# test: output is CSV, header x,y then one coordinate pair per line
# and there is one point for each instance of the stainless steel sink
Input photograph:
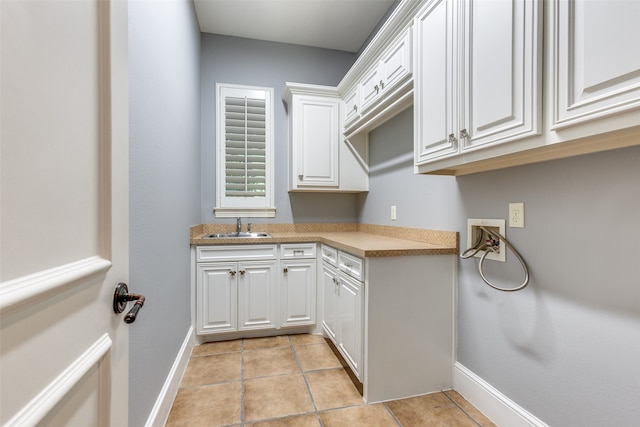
x,y
234,235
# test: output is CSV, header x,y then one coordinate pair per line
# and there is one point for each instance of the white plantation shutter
x,y
244,147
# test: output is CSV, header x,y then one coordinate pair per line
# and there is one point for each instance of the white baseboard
x,y
492,403
160,412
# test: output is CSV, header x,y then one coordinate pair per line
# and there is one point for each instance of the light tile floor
x,y
296,381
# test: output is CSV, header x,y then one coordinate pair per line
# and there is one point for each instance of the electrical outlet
x,y
394,215
516,215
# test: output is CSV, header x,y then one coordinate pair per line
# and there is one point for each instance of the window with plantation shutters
x,y
244,151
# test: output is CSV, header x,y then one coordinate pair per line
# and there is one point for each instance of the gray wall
x,y
566,348
258,63
164,52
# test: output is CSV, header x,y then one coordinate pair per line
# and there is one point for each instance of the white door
x,y
329,297
298,292
395,65
316,129
370,88
596,60
257,295
64,213
217,297
435,85
349,335
501,87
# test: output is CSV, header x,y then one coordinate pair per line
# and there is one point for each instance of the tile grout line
x,y
463,411
391,413
304,377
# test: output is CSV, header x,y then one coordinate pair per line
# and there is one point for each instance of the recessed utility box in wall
x,y
475,234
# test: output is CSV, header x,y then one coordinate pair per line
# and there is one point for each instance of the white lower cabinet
x,y
254,287
342,311
392,320
349,309
236,288
236,296
298,284
329,300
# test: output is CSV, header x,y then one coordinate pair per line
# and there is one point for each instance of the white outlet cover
x,y
500,224
516,215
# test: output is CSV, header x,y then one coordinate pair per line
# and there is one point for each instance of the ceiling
x,y
331,24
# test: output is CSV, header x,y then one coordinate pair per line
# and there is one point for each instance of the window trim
x,y
258,207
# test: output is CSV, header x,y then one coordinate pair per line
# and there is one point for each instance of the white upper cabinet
x,y
319,160
393,67
314,127
316,131
396,63
477,79
351,103
596,59
501,71
382,89
435,83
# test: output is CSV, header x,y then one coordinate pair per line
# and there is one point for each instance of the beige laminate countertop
x,y
370,242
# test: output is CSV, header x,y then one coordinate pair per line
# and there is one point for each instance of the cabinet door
x,y
434,83
329,300
395,65
370,88
257,295
315,139
351,102
298,292
216,297
596,59
501,88
350,332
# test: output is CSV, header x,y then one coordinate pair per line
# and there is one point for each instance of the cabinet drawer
x,y
235,252
351,265
297,250
330,255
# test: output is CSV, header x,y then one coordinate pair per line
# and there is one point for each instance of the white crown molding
x,y
401,18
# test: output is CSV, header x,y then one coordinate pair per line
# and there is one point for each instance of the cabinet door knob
x,y
300,177
233,273
285,270
242,272
377,88
381,84
464,133
355,107
452,138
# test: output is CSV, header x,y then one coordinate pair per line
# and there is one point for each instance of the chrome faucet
x,y
238,224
